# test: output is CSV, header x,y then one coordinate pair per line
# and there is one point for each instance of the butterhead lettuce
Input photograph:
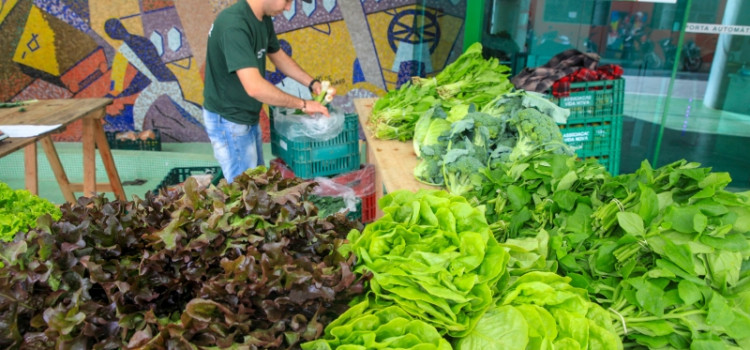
x,y
434,256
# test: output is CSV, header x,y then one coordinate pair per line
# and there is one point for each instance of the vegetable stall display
x,y
530,247
19,210
438,270
433,255
664,250
457,150
470,79
541,310
248,264
367,326
552,252
667,251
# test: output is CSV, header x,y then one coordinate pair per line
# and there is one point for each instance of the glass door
x,y
686,68
707,119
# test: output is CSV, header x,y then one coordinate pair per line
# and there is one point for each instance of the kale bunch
x,y
456,149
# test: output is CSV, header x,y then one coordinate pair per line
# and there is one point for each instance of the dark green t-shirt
x,y
237,39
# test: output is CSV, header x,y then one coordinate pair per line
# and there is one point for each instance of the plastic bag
x,y
317,127
327,188
362,181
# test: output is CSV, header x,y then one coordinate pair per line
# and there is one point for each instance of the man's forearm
x,y
290,68
262,90
271,95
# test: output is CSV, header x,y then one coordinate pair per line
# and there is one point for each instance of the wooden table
x,y
64,112
394,160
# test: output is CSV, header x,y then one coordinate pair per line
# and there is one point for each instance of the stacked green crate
x,y
594,127
309,158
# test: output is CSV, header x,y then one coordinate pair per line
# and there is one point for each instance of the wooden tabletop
x,y
393,159
45,112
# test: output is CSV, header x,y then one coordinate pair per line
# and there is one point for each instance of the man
x,y
235,90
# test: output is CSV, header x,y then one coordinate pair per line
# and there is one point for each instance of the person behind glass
x,y
235,90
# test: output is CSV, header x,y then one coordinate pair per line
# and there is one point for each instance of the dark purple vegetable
x,y
248,263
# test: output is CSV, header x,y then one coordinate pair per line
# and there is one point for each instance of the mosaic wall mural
x,y
148,55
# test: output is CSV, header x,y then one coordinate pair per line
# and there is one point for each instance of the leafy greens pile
x,y
469,80
457,150
541,310
437,270
433,255
248,264
668,251
665,250
541,192
366,326
19,210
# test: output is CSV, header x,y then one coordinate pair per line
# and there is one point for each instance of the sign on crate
x,y
586,100
580,136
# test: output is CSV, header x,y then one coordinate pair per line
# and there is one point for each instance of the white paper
x,y
27,130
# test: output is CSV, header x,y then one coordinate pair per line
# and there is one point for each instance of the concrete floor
x,y
644,100
692,131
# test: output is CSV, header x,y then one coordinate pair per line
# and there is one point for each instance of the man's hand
x,y
323,94
316,107
316,88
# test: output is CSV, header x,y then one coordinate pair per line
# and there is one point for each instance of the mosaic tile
x,y
6,9
298,18
163,114
155,5
165,22
62,11
371,6
156,80
196,17
44,88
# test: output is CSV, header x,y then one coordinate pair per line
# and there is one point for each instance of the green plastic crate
x,y
600,139
594,127
593,99
614,168
177,176
590,139
309,158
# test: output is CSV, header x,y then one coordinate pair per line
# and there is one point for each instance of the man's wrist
x,y
304,105
310,86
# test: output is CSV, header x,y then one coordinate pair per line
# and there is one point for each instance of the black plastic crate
x,y
176,176
138,144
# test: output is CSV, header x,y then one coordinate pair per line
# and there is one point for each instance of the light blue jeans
x,y
237,147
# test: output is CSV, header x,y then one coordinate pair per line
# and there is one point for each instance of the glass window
x,y
569,11
685,89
